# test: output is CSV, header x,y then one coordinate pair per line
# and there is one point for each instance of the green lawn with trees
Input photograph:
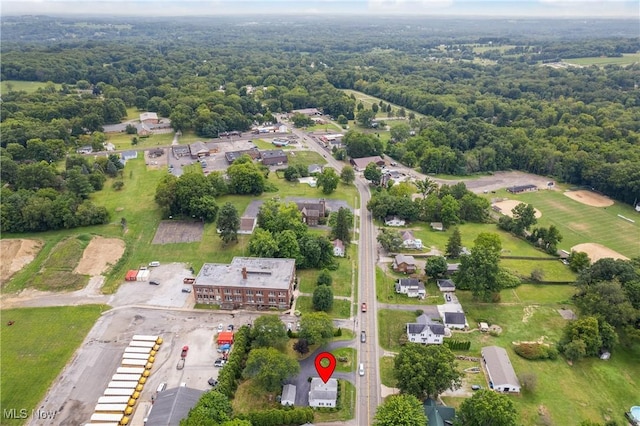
x,y
36,347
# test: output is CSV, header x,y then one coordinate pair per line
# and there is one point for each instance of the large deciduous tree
x,y
416,366
479,271
228,223
347,175
373,173
328,180
268,331
436,266
316,327
270,367
454,244
400,410
213,408
322,299
524,215
341,224
487,407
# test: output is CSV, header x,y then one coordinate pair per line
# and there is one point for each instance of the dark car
x,y
212,382
186,290
230,327
154,283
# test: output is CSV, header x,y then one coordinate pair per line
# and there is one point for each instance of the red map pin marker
x,y
325,365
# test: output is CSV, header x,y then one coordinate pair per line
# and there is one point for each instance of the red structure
x,y
131,275
225,338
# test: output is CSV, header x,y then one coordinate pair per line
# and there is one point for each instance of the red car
x,y
363,307
185,349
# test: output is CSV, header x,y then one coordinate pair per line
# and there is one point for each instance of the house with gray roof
x,y
288,395
323,394
425,331
314,169
446,285
502,376
455,320
412,287
173,405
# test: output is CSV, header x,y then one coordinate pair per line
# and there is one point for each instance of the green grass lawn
x,y
579,223
626,59
57,271
327,127
386,293
341,308
342,277
552,270
346,406
305,158
387,375
36,348
23,86
123,140
392,324
251,397
345,353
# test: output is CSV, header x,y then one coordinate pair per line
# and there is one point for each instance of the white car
x,y
220,327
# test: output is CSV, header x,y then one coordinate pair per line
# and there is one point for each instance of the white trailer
x,y
112,408
142,344
137,350
130,370
103,424
122,399
146,337
126,377
123,385
143,275
136,356
106,417
119,392
136,363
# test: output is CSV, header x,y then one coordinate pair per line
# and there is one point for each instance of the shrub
x,y
532,351
457,345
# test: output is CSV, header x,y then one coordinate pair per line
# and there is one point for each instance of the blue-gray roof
x,y
173,405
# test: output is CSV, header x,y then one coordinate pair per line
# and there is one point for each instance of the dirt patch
x,y
15,254
156,159
99,255
507,205
598,251
567,314
589,198
581,227
178,231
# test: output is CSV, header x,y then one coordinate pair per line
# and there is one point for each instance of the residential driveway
x,y
308,369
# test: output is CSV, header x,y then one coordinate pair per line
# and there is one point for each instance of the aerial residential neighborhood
x,y
373,214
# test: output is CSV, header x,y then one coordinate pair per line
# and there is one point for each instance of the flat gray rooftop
x,y
261,273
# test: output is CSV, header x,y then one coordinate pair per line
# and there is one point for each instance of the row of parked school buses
x,y
118,402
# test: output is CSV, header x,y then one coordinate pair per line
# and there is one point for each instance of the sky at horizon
x,y
480,8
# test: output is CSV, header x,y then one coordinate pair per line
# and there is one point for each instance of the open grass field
x,y
341,308
22,86
387,376
305,158
29,364
251,397
342,283
122,141
57,271
591,389
579,223
392,324
368,100
552,270
626,59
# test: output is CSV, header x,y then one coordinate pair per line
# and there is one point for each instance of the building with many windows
x,y
247,282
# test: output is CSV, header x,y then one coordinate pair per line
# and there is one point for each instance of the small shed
x,y
225,338
288,395
437,226
484,327
143,275
131,275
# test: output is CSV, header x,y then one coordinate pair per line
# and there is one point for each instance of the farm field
x,y
23,86
29,362
579,223
626,59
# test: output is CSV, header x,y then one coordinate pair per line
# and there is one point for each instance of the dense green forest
x,y
486,98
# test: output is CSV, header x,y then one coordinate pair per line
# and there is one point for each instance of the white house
x,y
455,320
288,395
411,287
502,376
338,248
394,221
409,241
425,331
323,394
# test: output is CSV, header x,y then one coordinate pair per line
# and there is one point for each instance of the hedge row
x,y
232,370
532,350
279,417
457,345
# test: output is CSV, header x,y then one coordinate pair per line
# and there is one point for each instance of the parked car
x,y
476,387
186,290
154,263
212,382
363,307
219,362
154,283
230,327
220,327
185,349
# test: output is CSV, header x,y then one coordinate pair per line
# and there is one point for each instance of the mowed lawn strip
x,y
392,324
341,308
35,349
552,270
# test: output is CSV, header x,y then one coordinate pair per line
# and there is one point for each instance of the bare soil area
x,y
15,254
589,198
507,205
178,231
598,251
99,255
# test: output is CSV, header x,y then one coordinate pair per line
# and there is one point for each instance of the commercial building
x,y
247,282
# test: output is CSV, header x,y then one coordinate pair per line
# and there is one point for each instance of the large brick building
x,y
248,282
